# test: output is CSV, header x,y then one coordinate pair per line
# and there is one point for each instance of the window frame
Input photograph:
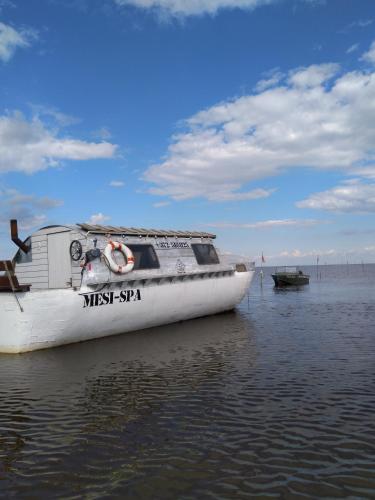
x,y
198,257
143,245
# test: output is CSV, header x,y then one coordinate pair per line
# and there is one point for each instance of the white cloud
x,y
353,48
266,224
29,220
367,171
117,184
311,253
26,208
313,76
14,198
6,4
61,119
180,8
346,255
225,195
28,146
360,24
98,219
315,2
11,40
193,7
161,204
369,56
318,117
271,80
351,196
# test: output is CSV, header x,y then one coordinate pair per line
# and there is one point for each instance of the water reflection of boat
x,y
290,276
192,345
72,283
110,395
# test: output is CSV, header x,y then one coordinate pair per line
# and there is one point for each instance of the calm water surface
x,y
275,400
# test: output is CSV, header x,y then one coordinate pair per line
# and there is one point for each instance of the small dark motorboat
x,y
290,276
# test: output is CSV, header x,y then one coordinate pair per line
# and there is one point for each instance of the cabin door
x,y
59,266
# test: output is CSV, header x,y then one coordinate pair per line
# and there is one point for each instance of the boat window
x,y
205,254
144,257
22,257
287,269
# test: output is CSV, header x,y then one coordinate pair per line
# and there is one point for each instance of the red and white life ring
x,y
112,264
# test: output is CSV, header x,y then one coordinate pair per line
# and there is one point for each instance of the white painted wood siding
x,y
59,262
35,273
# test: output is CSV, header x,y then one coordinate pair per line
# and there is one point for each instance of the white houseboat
x,y
74,283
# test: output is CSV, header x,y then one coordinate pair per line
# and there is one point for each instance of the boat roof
x,y
288,269
133,231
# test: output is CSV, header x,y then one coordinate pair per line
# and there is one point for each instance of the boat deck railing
x,y
144,281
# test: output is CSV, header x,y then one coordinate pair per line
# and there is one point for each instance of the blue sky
x,y
252,119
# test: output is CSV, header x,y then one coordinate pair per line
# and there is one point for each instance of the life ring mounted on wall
x,y
112,264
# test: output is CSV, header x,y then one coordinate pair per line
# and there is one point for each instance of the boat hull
x,y
281,281
55,317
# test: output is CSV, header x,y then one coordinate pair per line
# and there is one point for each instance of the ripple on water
x,y
273,401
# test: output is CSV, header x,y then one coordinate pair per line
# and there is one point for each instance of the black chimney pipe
x,y
15,238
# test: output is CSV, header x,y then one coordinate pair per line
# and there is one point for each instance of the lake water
x,y
275,400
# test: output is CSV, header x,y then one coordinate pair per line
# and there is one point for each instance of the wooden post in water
x,y
261,270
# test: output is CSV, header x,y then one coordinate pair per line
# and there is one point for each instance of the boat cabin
x,y
288,270
73,256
